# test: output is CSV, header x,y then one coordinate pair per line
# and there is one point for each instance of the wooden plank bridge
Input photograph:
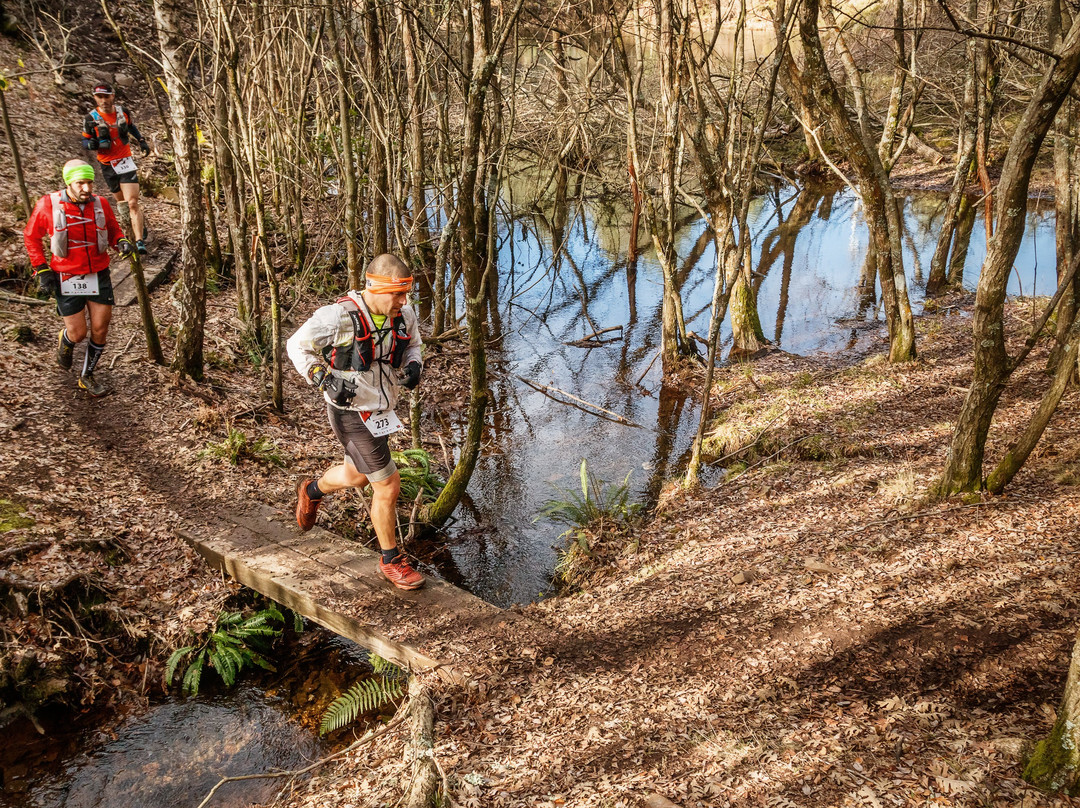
x,y
336,583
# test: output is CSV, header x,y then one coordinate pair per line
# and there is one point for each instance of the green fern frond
x,y
298,622
224,665
229,618
362,697
174,661
193,675
381,665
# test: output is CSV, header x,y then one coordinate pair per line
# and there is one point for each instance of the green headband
x,y
78,172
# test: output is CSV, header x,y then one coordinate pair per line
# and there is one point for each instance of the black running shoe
x,y
95,388
64,352
140,245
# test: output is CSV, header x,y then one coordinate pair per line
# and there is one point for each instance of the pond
x,y
809,247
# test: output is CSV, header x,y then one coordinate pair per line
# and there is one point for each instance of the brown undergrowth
x,y
809,631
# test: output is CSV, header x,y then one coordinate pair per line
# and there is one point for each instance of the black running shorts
x,y
369,455
114,180
67,305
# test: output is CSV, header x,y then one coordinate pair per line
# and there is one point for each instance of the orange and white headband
x,y
385,285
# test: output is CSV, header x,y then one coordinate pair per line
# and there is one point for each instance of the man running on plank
x,y
358,352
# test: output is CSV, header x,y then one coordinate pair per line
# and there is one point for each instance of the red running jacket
x,y
83,256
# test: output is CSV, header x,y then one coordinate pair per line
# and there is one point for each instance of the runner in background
x,y
80,228
107,129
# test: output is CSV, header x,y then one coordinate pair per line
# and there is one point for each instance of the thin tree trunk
x,y
16,161
992,367
1018,453
191,290
965,151
348,167
882,214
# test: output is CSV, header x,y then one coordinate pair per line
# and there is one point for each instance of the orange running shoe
x,y
401,573
306,507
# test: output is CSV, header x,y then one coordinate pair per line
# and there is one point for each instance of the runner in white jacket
x,y
358,352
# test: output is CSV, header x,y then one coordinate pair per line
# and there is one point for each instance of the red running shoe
x,y
401,574
306,507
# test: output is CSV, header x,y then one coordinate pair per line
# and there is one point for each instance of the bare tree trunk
x,y
417,160
882,214
379,185
483,60
191,290
1021,449
962,242
1067,209
965,151
963,467
348,167
16,161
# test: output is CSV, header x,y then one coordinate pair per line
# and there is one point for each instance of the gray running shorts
x,y
369,455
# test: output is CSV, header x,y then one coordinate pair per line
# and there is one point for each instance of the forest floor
x,y
809,631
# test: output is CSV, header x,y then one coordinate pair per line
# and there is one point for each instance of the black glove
x,y
123,246
318,376
48,281
145,147
412,376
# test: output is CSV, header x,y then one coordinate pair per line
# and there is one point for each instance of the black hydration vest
x,y
359,354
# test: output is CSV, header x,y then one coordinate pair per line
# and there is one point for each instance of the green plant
x,y
414,466
237,447
600,520
386,686
598,502
235,643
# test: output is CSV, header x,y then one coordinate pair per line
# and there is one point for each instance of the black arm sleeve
x,y
133,130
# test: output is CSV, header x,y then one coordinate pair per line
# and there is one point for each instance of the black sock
x,y
313,490
389,556
64,337
93,354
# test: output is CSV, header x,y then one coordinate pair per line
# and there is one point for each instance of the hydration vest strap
x,y
58,242
121,122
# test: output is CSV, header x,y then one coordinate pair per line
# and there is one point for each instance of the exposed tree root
x,y
420,753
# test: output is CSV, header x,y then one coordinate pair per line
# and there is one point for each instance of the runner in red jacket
x,y
80,228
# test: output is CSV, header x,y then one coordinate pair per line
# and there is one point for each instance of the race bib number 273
x,y
383,422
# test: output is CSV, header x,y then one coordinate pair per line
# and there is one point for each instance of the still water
x,y
809,251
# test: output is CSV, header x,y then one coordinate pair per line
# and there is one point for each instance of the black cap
x,y
103,88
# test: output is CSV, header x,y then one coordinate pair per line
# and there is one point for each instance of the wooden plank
x,y
289,592
155,271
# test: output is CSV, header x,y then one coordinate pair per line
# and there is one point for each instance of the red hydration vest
x,y
359,354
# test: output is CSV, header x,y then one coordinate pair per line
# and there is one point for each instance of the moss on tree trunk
x,y
1054,764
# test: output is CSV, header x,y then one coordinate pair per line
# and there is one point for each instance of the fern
x,y
414,467
362,697
235,643
382,665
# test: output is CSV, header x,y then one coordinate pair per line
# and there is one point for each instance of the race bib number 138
x,y
80,285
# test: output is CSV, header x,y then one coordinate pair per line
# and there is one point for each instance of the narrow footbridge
x,y
336,583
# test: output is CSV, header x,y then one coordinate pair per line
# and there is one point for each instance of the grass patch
x,y
11,517
237,447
